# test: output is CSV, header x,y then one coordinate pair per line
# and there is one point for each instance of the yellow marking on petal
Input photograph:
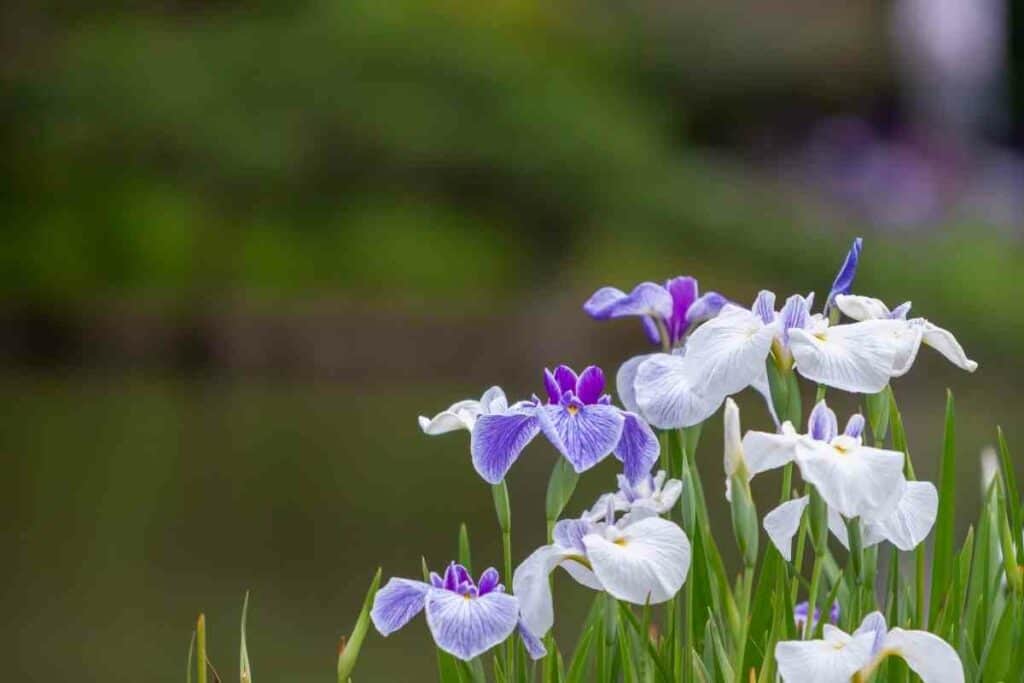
x,y
573,409
620,542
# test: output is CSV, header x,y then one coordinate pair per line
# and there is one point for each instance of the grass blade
x,y
201,649
465,557
191,652
348,651
945,520
244,670
1012,494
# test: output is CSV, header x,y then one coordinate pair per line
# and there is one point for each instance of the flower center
x,y
573,409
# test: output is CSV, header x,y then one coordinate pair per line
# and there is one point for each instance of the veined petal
x,y
684,293
569,533
822,424
497,441
590,384
397,603
706,306
858,357
494,401
929,656
861,307
764,306
584,434
874,625
534,647
581,574
844,278
914,517
665,393
638,448
835,659
566,378
763,451
467,627
625,380
782,524
727,353
858,481
945,343
794,314
649,561
646,298
530,584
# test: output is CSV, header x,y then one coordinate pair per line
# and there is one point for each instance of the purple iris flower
x,y
843,284
675,308
800,615
466,618
578,419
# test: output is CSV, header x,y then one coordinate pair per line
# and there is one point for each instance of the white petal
x,y
728,352
763,451
945,343
914,517
929,656
782,524
582,575
858,357
733,443
493,401
460,415
857,481
874,625
530,584
861,307
666,394
648,562
625,381
832,660
906,340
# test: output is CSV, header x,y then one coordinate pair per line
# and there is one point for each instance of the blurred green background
x,y
246,244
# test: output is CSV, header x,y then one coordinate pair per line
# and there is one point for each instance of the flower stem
x,y
812,600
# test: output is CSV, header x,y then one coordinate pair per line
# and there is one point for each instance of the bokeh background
x,y
246,243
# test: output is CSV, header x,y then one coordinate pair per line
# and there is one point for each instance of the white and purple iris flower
x,y
466,618
668,312
650,494
578,419
801,610
840,656
639,559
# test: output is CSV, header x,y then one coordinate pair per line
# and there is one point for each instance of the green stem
x,y
812,600
201,649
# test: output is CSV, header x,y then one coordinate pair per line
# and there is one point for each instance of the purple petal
x,y
646,298
451,577
684,292
436,581
651,329
854,426
397,603
590,384
900,312
551,385
468,627
843,283
566,378
534,647
497,440
822,423
488,581
638,449
569,534
874,623
584,435
706,307
764,306
794,314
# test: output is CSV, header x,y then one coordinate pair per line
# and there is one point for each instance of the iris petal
x,y
397,603
497,441
468,627
584,434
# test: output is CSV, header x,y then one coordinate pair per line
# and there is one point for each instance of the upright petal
x,y
856,480
945,343
875,626
467,627
584,434
764,306
684,293
794,314
569,533
706,306
844,278
782,524
861,307
397,603
665,392
929,656
625,380
638,448
646,298
822,424
649,561
497,441
858,357
493,401
727,353
489,581
566,378
530,584
832,660
914,517
733,453
590,384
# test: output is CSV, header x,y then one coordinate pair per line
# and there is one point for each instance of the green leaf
x,y
945,520
877,407
560,488
244,670
502,508
578,665
645,642
191,652
1012,494
998,652
201,649
465,558
349,650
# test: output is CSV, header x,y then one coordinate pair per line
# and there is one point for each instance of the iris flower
x,y
466,618
578,419
649,494
840,656
640,559
463,414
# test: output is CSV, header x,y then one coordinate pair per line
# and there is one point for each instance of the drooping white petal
x,y
861,307
856,480
858,357
625,380
646,561
782,524
763,451
530,584
929,656
945,343
581,574
727,353
835,659
913,518
461,415
666,393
